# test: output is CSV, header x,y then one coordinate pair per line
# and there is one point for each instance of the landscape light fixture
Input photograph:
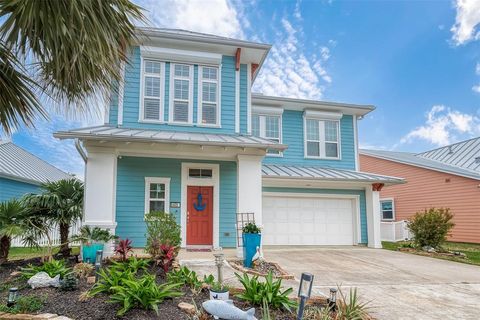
x,y
12,297
98,263
304,292
332,300
219,257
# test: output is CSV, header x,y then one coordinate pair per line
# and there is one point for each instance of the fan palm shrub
x,y
12,215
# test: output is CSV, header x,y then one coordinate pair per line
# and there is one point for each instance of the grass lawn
x,y
471,250
17,253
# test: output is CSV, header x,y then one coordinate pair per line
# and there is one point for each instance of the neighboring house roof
x,y
464,154
420,161
112,133
324,173
18,164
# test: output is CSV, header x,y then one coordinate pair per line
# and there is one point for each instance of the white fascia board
x,y
178,55
267,110
315,114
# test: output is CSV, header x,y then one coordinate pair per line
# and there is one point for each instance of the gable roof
x,y
421,161
19,164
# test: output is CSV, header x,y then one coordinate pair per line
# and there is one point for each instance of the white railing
x,y
54,236
394,231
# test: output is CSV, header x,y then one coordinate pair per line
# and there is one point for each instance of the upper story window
x,y
322,139
181,93
152,91
208,106
268,127
387,209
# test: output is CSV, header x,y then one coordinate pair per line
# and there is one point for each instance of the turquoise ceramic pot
x,y
250,243
90,251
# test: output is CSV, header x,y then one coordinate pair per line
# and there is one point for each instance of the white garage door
x,y
294,220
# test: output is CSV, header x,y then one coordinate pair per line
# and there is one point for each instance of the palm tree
x,y
61,203
12,213
74,48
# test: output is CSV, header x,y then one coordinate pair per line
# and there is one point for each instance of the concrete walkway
x,y
399,285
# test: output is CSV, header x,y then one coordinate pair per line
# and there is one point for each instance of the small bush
x,y
186,277
25,304
69,282
166,257
251,228
123,248
431,227
53,268
352,308
83,269
268,292
161,229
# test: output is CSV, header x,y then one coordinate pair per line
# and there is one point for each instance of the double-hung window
x,y
181,93
268,127
387,209
152,99
322,139
209,107
157,191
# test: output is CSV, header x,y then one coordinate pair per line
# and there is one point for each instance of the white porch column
x,y
372,198
100,191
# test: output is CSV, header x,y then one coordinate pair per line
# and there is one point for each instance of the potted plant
x,y
92,240
251,236
219,291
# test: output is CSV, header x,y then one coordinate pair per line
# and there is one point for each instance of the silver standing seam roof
x,y
421,161
18,164
112,133
325,173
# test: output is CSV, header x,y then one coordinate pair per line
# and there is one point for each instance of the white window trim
x,y
200,96
141,116
166,182
262,120
172,93
393,209
321,128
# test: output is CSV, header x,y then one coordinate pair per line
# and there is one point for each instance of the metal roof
x,y
420,161
324,173
111,133
464,154
18,164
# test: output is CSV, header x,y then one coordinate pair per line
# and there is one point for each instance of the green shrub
x,y
269,292
25,304
431,227
186,277
143,293
88,235
133,264
53,268
69,282
162,228
108,279
209,280
83,269
352,308
251,228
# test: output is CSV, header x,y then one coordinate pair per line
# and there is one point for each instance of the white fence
x,y
394,231
54,236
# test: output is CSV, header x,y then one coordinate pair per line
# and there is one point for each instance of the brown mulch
x,y
261,268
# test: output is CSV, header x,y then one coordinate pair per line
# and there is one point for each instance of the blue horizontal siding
x,y
360,193
130,199
12,189
292,135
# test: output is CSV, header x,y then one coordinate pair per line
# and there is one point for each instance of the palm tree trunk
x,y
64,248
4,248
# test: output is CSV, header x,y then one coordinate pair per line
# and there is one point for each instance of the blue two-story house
x,y
184,134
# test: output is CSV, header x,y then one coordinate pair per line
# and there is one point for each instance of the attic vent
x,y
450,151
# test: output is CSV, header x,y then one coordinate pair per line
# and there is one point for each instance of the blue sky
x,y
418,62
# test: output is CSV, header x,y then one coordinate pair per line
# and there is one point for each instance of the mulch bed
x,y
261,269
68,303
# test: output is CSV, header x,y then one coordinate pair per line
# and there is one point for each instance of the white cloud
x,y
444,125
476,88
218,17
466,22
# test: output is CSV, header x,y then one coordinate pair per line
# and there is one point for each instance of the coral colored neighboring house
x,y
444,177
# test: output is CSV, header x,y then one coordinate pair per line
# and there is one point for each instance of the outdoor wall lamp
x,y
12,297
304,292
98,263
332,301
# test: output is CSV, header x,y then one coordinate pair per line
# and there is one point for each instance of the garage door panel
x,y
293,220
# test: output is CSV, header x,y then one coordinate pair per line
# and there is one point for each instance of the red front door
x,y
199,215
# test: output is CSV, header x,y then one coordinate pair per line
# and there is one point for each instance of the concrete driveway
x,y
399,285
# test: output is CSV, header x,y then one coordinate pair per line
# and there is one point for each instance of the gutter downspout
x,y
80,150
83,154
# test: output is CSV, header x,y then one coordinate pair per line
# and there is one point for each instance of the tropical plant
x,y
133,264
166,257
317,313
186,277
352,308
143,292
209,280
123,248
162,229
52,268
38,227
431,227
88,235
61,202
69,282
268,292
108,279
74,60
251,228
83,269
12,215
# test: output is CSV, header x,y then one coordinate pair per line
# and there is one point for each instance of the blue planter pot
x,y
90,251
250,243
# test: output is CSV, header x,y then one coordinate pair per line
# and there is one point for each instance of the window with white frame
x,y
209,109
152,99
181,95
322,138
267,127
387,209
157,191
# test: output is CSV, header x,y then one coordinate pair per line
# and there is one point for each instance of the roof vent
x,y
477,160
450,150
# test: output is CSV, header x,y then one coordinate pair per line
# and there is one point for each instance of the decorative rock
x,y
429,249
459,254
42,279
15,274
91,280
20,316
188,308
45,316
